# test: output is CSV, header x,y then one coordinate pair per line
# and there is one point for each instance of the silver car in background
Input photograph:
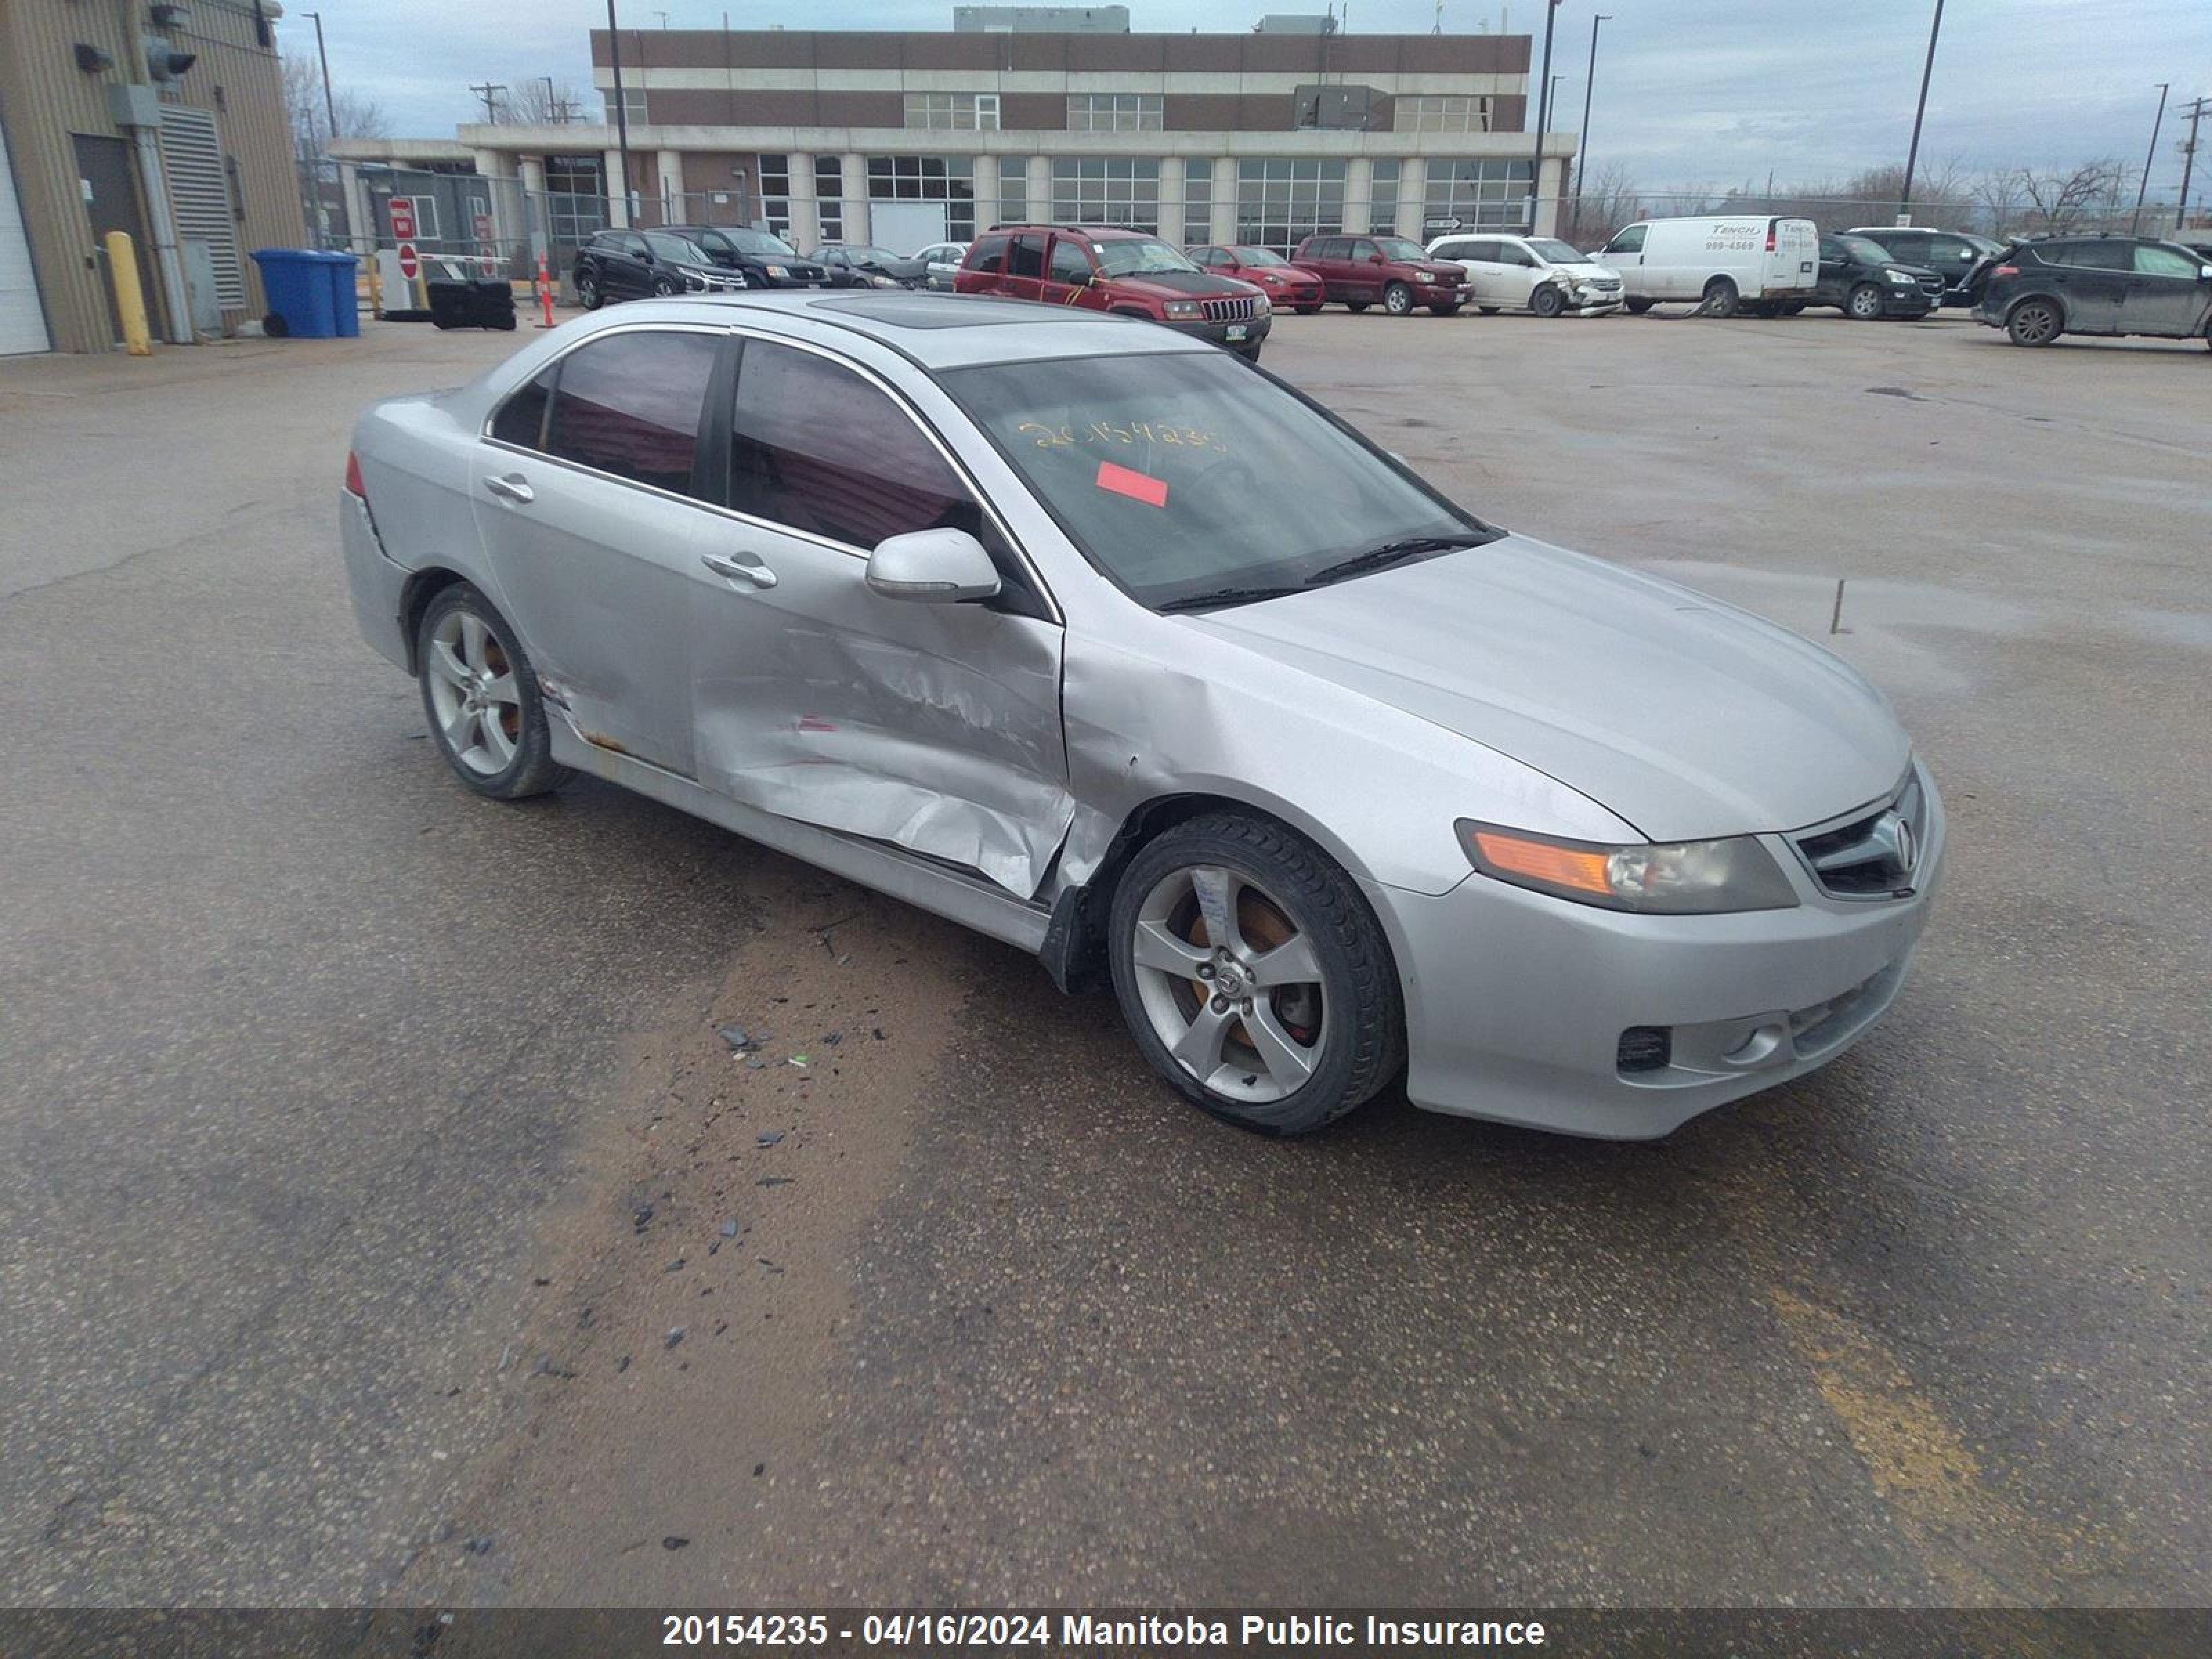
x,y
1091,637
943,260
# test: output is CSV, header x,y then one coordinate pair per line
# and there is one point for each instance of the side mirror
x,y
2204,273
1376,259
932,567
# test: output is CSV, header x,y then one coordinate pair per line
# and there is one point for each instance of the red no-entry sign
x,y
403,219
409,264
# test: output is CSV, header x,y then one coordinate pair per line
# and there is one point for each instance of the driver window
x,y
1629,241
1363,250
2153,261
1070,263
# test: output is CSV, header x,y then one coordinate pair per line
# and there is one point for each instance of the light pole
x,y
1544,91
1913,155
330,104
2135,224
621,114
1582,138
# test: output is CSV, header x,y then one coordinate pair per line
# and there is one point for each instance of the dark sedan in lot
x,y
1861,280
858,265
2037,291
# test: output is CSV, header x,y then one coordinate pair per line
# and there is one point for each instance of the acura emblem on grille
x,y
1892,835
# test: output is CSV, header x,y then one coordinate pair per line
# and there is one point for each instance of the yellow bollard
x,y
130,297
375,288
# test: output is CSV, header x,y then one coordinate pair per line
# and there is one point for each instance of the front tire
x,y
1638,308
1398,299
1253,976
1547,302
588,293
1723,298
2034,323
480,697
1355,306
1863,304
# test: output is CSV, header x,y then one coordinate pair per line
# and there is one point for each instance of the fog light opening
x,y
1645,1048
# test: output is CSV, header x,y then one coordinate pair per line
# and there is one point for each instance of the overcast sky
x,y
1689,91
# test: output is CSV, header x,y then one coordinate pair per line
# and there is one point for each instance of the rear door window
x,y
629,405
1026,257
2096,256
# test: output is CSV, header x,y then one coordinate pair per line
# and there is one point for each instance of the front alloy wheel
x,y
1864,305
1398,299
1253,975
1547,302
588,291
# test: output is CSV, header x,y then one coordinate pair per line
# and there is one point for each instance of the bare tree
x,y
309,114
1608,201
2062,201
542,101
1998,195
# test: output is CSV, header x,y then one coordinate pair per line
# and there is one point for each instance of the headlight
x,y
695,281
1897,275
1425,276
1260,306
1691,877
883,282
1181,311
778,271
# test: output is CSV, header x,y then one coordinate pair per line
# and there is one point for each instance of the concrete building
x,y
905,139
167,121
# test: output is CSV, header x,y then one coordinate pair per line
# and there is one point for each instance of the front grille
x,y
1932,285
1875,855
1232,310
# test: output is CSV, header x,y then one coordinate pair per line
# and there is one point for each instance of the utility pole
x,y
557,107
488,91
2188,164
1543,91
2135,224
1913,155
330,104
1582,138
622,113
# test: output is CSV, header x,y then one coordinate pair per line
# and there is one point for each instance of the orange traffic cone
x,y
544,294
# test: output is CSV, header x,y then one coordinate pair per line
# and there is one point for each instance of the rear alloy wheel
x,y
1253,976
481,695
1398,299
1547,302
1863,304
588,291
2034,323
1723,298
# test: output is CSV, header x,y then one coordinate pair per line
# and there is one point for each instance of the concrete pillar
x,y
854,173
1040,211
1551,185
984,180
617,190
668,170
1224,199
1413,195
1359,195
535,221
806,203
1171,226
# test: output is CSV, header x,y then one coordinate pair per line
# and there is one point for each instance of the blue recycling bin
x,y
345,295
298,284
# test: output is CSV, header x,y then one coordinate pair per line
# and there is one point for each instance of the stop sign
x,y
409,264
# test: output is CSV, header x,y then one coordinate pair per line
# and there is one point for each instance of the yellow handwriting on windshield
x,y
1161,434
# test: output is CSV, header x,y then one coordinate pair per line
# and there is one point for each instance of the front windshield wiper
x,y
1391,553
1221,596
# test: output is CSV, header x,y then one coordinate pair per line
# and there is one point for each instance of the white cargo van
x,y
1756,264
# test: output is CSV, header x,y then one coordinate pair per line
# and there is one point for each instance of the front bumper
x,y
1516,1002
1906,302
1233,337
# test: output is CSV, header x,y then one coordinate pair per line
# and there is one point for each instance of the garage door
x,y
22,322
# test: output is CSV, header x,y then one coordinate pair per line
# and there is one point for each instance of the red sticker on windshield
x,y
1153,492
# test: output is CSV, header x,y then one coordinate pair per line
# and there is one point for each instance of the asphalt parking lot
x,y
386,1219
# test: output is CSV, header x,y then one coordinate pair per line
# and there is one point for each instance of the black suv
x,y
1863,280
633,264
1951,254
2037,291
857,265
762,260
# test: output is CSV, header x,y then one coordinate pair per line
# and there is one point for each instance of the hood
x,y
1590,270
905,269
1687,717
1918,273
1182,285
1264,277
1444,269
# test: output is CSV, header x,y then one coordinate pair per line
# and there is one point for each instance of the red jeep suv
x,y
1123,271
1360,270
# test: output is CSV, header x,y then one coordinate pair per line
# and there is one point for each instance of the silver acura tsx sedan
x,y
1094,638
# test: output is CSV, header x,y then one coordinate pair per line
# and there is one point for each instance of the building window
x,y
1383,203
775,194
1281,201
1441,112
575,204
947,179
633,107
1107,189
1198,201
953,112
1466,194
1013,190
1114,111
829,196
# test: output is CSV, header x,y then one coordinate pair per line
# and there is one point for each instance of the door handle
x,y
756,573
513,488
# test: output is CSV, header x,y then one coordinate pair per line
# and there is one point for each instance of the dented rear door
x,y
936,727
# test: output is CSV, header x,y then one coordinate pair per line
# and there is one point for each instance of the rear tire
x,y
1487,311
1547,302
1398,299
480,697
1863,304
588,294
1355,306
1444,310
1320,1033
2034,323
1636,308
1307,311
1723,298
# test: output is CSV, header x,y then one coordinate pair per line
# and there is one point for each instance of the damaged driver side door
x,y
932,726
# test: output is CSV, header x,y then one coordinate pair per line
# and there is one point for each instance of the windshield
x,y
1865,250
1397,247
1258,256
758,241
676,248
1551,248
1137,259
1179,474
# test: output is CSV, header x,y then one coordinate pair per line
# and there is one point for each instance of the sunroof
x,y
947,310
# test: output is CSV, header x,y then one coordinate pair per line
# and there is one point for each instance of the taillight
x,y
1770,236
2006,270
353,484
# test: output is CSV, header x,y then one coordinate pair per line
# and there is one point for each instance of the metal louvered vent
x,y
199,195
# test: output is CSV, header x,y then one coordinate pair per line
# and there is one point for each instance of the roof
x,y
935,331
1097,232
